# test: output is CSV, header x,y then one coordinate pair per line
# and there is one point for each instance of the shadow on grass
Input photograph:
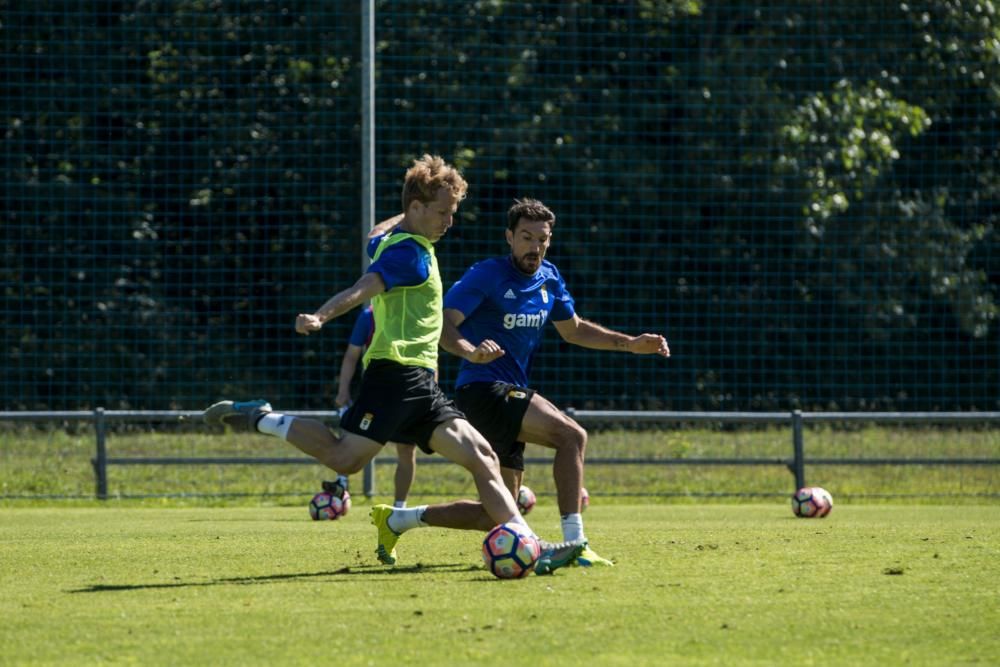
x,y
365,570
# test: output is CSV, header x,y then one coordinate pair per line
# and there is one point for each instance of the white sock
x,y
274,423
399,504
572,527
403,519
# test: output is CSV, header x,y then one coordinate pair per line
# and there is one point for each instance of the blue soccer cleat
x,y
557,555
241,416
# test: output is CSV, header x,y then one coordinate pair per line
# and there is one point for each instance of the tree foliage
x,y
813,186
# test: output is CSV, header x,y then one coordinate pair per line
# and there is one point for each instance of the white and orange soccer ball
x,y
325,505
510,551
812,502
525,499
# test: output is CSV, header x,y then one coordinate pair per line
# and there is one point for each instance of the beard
x,y
528,264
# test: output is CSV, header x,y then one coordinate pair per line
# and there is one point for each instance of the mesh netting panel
x,y
800,196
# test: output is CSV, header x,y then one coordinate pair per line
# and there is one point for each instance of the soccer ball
x,y
509,551
812,502
525,499
325,505
584,498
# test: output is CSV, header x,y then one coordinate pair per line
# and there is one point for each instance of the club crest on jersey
x,y
366,421
545,295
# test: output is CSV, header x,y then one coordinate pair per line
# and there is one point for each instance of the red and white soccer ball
x,y
525,499
811,502
328,506
584,498
510,551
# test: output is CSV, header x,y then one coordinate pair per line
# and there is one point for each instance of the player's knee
x,y
477,444
484,460
572,437
581,439
487,456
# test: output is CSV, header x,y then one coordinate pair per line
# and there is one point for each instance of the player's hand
x,y
307,323
649,344
485,352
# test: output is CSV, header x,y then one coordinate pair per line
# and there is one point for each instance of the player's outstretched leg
x,y
239,415
387,537
589,558
557,555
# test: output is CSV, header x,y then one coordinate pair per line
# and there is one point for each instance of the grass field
x,y
219,564
694,585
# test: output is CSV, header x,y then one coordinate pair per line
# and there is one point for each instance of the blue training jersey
x,y
405,264
501,303
364,327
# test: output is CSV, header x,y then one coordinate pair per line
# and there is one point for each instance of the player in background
x,y
399,399
406,455
494,318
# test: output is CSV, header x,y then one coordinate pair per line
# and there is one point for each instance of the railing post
x,y
101,459
798,460
369,479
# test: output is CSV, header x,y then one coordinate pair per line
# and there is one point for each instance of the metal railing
x,y
796,419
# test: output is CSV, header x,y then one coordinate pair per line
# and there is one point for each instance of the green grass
x,y
695,585
40,463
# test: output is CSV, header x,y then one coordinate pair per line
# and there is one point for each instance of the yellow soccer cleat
x,y
387,537
589,558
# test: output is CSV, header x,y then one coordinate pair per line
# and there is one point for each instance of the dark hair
x,y
532,209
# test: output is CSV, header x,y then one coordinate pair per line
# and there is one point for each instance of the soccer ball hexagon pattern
x,y
509,551
811,502
328,506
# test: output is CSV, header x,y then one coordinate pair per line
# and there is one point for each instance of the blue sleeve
x,y
361,334
466,294
402,265
563,305
373,245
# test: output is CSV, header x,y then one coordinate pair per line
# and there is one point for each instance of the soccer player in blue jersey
x,y
406,455
399,399
494,320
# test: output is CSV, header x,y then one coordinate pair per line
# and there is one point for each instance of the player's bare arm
x,y
585,333
348,366
364,289
386,226
454,342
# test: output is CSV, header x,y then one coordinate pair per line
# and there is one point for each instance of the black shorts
x,y
496,409
399,403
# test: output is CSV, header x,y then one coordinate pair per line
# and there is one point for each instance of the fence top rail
x,y
671,415
582,415
36,415
779,417
910,417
